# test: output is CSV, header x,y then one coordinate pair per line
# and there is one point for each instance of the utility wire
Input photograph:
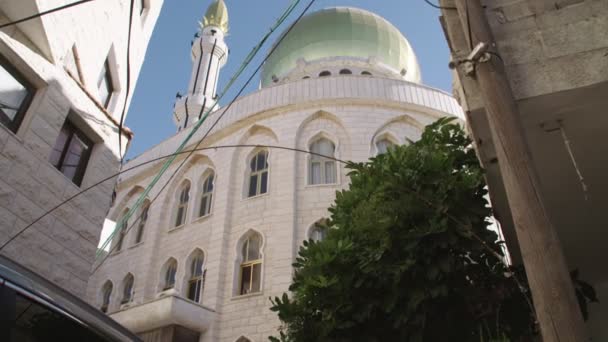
x,y
439,7
128,90
142,197
37,15
182,146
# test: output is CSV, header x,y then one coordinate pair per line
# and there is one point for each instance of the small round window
x,y
305,77
366,73
324,73
345,72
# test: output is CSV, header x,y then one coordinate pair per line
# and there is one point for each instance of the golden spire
x,y
217,15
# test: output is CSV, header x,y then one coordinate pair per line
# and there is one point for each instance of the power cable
x,y
37,15
128,81
195,128
142,197
246,61
439,7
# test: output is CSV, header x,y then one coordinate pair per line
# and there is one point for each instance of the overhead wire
x,y
128,84
439,7
37,15
146,191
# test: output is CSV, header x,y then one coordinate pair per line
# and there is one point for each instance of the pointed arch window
x,y
322,170
142,222
206,196
182,205
318,232
196,280
171,270
383,145
258,175
106,294
127,289
251,265
122,230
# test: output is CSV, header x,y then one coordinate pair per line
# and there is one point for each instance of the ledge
x,y
165,311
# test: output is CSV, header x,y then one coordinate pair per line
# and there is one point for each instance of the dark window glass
x,y
366,73
142,224
253,183
142,6
15,96
345,72
246,279
29,320
104,85
71,152
325,73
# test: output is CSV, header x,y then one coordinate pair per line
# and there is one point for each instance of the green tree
x,y
408,256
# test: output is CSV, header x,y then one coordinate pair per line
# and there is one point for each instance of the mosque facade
x,y
221,238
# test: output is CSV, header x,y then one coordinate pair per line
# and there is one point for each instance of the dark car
x,y
33,309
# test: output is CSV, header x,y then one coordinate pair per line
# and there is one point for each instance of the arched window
x,y
366,73
322,170
258,175
170,270
345,72
106,294
127,289
122,230
142,222
196,279
206,196
243,339
251,265
182,205
324,73
383,145
318,231
305,77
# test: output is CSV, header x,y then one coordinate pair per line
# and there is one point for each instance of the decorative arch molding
x,y
257,130
162,283
188,265
125,201
243,338
401,119
312,225
389,130
238,259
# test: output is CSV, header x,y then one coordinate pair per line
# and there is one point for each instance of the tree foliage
x,y
409,256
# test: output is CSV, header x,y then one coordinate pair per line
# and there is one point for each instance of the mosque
x,y
220,240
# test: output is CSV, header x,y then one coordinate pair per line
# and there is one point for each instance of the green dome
x,y
342,32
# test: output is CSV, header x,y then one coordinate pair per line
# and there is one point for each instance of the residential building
x,y
63,89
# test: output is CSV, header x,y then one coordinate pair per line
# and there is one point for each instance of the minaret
x,y
209,55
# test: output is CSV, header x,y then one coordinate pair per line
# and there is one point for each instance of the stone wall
x,y
61,246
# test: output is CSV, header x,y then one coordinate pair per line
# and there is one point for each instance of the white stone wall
x,y
61,247
351,111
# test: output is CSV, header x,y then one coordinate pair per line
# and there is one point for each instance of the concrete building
x,y
63,85
555,57
221,238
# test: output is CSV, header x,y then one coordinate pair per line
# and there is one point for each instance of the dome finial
x,y
217,15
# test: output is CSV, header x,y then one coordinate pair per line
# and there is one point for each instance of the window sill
x,y
136,245
256,196
202,218
328,185
116,252
173,229
249,295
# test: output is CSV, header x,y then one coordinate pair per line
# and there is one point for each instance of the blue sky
x,y
167,66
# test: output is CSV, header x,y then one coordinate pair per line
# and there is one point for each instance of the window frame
x,y
182,204
83,162
106,296
143,219
198,280
245,263
258,174
130,281
171,266
106,73
322,161
206,196
14,124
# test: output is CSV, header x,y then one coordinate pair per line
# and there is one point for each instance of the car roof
x,y
28,281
